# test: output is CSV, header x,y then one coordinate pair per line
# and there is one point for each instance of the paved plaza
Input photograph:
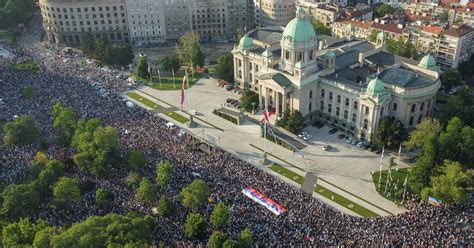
x,y
345,165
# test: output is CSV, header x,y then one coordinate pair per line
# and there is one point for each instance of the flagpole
x,y
399,151
404,189
189,99
159,78
381,166
174,84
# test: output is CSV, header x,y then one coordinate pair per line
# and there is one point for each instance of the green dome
x,y
267,53
246,43
375,87
350,26
299,64
299,29
329,54
382,35
428,62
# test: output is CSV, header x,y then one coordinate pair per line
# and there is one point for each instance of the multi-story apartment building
x,y
67,21
177,18
146,19
351,29
274,12
455,46
209,18
324,13
349,84
241,15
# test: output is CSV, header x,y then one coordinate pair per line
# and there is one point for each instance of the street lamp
x,y
253,108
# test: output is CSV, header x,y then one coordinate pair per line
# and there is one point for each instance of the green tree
x,y
146,192
194,195
385,9
248,97
189,50
103,196
111,230
88,44
389,132
20,200
66,191
402,47
220,215
165,207
136,159
21,131
230,243
450,186
373,35
225,67
123,54
216,240
65,121
170,63
451,78
425,131
443,16
98,147
245,239
320,28
456,143
195,226
295,122
142,69
133,180
461,105
21,233
49,175
164,173
13,12
239,33
43,237
28,92
40,158
422,171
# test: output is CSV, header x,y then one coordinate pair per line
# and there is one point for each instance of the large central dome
x,y
299,29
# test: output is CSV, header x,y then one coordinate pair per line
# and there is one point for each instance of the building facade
x,y
177,18
274,12
66,21
146,19
351,84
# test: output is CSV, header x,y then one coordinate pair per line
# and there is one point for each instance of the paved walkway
x,y
346,166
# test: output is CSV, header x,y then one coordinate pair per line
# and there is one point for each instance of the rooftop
x,y
405,78
389,27
386,59
269,35
351,77
458,31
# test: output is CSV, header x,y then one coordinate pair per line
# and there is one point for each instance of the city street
x,y
344,165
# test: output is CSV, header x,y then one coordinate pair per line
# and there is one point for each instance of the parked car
x,y
170,125
229,87
349,139
142,55
341,136
333,131
355,142
361,144
307,137
302,134
327,147
228,100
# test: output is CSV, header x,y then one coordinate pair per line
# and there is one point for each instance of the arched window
x,y
366,110
366,123
323,92
338,99
310,94
347,102
337,111
330,95
346,114
329,108
381,111
354,117
356,105
311,54
413,108
394,108
322,105
422,106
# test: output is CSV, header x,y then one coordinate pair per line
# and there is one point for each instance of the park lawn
x,y
356,208
144,100
28,66
398,177
177,117
168,84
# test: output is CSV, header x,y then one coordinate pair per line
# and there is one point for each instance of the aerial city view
x,y
236,123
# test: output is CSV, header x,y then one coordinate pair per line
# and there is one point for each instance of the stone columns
x,y
260,95
283,103
277,103
266,98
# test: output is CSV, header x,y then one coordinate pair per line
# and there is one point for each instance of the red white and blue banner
x,y
185,80
434,201
263,200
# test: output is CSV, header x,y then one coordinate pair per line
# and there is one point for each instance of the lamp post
x,y
253,108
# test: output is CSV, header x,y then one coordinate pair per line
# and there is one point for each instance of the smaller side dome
x,y
267,53
350,26
375,87
382,35
329,54
246,43
299,65
428,62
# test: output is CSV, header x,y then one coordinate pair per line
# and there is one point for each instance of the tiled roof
x,y
359,24
389,27
359,12
458,31
433,29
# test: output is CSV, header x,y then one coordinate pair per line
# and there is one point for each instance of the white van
x,y
171,125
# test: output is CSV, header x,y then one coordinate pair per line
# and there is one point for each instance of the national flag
x,y
185,79
158,71
434,201
400,150
263,200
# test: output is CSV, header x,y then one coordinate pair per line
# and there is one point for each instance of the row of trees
x,y
320,28
292,121
13,12
402,47
117,55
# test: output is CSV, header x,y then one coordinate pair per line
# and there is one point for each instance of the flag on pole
x,y
172,71
185,79
399,152
149,70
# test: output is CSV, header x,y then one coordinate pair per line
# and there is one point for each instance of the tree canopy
x,y
20,200
13,12
165,206
64,122
66,192
451,78
164,173
220,215
402,47
98,147
21,131
389,132
292,121
195,194
170,63
195,225
22,233
142,69
225,67
136,159
216,240
110,54
461,106
248,97
384,9
320,28
146,192
189,50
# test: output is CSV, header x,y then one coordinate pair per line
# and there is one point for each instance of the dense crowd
x,y
306,222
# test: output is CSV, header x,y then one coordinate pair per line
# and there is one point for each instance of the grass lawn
x,y
29,66
177,117
442,97
325,192
144,100
398,179
167,82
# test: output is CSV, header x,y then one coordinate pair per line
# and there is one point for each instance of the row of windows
x,y
338,99
338,111
85,9
81,23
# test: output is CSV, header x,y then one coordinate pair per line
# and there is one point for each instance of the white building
x,y
146,20
349,84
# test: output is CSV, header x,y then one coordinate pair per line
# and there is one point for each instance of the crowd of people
x,y
307,221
